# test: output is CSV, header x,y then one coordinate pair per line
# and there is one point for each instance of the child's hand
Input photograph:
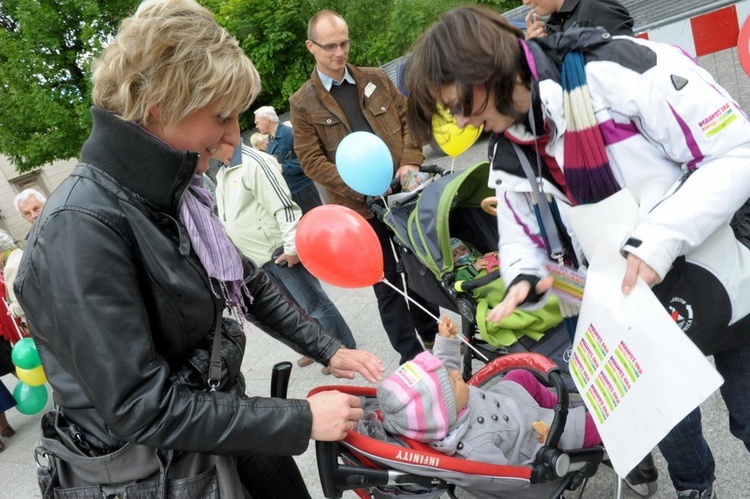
x,y
542,431
447,328
488,262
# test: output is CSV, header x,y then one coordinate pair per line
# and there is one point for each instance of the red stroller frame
x,y
367,461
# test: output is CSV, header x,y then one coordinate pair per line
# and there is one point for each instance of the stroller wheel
x,y
642,489
643,478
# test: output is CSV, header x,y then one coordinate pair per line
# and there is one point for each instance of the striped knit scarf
x,y
215,250
588,176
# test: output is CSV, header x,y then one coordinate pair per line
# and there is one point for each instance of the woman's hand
x,y
345,363
515,296
534,27
334,414
636,267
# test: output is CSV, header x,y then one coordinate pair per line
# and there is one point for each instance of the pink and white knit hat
x,y
417,400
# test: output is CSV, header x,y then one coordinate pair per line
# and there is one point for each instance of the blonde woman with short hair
x,y
127,276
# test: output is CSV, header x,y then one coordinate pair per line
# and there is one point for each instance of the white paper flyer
x,y
634,367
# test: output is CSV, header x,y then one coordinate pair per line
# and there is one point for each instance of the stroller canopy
x,y
449,206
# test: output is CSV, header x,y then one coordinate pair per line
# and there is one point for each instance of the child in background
x,y
427,400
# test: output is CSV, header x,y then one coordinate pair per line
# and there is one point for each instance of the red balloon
x,y
338,246
743,46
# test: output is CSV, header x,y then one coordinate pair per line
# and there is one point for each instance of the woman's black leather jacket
x,y
116,299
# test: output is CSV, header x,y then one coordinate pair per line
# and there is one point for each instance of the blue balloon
x,y
365,163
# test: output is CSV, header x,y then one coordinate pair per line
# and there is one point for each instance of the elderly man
x,y
281,146
29,203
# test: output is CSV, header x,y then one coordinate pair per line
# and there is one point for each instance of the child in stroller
x,y
469,263
424,225
427,400
376,464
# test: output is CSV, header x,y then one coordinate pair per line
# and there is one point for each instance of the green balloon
x,y
30,399
25,355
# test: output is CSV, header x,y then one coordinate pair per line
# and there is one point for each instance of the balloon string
x,y
13,320
459,335
453,162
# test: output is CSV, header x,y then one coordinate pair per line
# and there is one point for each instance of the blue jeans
x,y
690,462
306,290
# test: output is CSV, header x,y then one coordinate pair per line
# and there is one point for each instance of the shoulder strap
x,y
214,369
546,220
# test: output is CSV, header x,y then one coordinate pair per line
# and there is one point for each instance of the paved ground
x,y
17,469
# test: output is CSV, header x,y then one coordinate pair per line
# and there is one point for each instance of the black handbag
x,y
67,470
196,372
67,467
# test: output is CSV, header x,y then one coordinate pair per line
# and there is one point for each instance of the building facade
x,y
43,179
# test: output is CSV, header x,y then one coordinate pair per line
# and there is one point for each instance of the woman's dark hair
x,y
467,46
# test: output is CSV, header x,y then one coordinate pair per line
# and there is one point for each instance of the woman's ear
x,y
154,114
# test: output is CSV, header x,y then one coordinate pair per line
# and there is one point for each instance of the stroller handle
x,y
379,210
434,169
469,286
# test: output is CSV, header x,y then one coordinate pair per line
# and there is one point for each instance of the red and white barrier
x,y
706,33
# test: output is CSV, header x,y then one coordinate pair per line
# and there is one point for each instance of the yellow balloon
x,y
32,377
452,139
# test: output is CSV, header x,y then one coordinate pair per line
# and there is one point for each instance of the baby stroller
x,y
377,465
423,223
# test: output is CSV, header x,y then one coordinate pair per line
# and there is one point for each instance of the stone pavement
x,y
17,468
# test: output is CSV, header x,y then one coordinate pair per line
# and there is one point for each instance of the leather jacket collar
x,y
138,160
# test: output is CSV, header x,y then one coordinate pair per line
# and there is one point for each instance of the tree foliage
x,y
273,34
45,51
46,47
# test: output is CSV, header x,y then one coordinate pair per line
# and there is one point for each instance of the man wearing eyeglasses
x,y
339,99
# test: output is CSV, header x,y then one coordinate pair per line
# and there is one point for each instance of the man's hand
x,y
334,415
401,172
290,260
345,363
515,296
636,267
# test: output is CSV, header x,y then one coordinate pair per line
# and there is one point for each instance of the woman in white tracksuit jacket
x,y
672,136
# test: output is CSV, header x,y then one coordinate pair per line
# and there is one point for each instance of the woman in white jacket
x,y
597,114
